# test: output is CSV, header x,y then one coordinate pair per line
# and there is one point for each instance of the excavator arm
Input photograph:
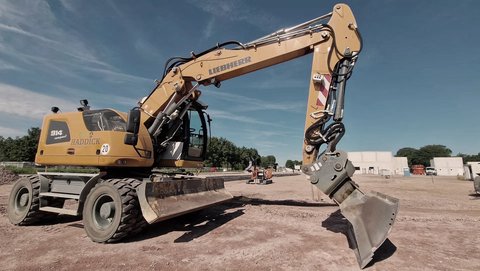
x,y
335,46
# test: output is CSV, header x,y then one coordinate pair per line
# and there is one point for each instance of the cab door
x,y
196,135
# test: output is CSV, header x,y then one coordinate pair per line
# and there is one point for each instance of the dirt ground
x,y
267,227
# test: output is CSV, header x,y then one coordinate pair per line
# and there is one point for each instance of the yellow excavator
x,y
168,128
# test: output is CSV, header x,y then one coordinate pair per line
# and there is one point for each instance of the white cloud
x,y
59,47
69,68
118,76
20,31
7,66
241,103
26,103
277,82
11,132
69,4
34,40
262,133
98,99
229,116
208,30
33,63
129,102
238,11
269,145
31,26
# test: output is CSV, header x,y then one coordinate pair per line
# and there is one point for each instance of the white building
x,y
472,170
448,166
370,162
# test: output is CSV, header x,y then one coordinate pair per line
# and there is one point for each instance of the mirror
x,y
133,121
133,126
130,139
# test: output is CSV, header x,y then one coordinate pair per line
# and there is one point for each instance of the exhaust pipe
x,y
371,216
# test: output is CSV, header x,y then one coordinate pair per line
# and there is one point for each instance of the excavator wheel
x,y
24,202
112,212
141,223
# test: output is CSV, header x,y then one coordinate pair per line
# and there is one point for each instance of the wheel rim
x,y
22,200
103,211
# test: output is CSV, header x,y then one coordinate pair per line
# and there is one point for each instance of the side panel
x,y
55,149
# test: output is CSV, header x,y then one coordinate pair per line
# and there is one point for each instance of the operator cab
x,y
190,141
185,138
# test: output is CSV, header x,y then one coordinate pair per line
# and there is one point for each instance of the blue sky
x,y
415,83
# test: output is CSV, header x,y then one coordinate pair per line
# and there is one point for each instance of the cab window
x,y
103,120
196,136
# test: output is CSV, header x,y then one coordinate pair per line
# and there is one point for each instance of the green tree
x,y
412,155
431,151
289,164
406,152
423,155
2,149
223,153
267,161
217,152
21,148
29,144
470,157
292,163
245,155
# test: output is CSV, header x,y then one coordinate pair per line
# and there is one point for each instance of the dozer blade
x,y
371,218
164,198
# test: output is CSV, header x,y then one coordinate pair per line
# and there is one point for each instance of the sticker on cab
x,y
105,149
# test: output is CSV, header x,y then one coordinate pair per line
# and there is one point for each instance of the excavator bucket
x,y
164,198
371,218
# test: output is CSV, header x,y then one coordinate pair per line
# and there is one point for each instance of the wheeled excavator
x,y
168,128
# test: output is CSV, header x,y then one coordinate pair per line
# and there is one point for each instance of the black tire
x,y
111,211
24,202
141,222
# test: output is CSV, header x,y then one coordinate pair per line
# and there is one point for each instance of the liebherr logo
x,y
230,65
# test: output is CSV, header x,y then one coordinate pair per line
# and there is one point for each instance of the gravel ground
x,y
6,176
267,227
